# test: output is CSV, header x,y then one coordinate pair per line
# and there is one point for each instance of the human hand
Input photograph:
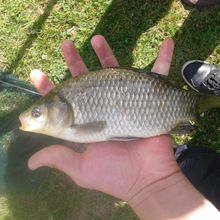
x,y
122,169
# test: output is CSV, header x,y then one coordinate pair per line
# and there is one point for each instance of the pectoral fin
x,y
90,127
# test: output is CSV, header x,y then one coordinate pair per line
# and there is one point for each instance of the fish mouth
x,y
23,128
24,124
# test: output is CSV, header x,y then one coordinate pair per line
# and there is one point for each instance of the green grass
x,y
30,36
58,198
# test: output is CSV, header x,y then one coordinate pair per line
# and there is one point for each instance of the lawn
x,y
30,36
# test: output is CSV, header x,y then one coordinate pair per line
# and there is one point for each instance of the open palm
x,y
121,169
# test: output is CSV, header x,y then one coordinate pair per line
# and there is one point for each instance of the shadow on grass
x,y
196,39
209,134
33,34
40,195
122,24
125,21
47,194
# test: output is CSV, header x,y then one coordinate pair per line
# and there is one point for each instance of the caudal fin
x,y
208,102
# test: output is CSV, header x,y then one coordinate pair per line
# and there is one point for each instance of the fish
x,y
115,104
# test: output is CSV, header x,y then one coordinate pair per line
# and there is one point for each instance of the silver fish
x,y
115,104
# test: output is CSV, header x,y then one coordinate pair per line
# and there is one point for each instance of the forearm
x,y
173,198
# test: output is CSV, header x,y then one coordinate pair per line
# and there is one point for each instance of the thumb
x,y
59,157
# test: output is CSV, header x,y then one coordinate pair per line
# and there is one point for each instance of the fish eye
x,y
36,112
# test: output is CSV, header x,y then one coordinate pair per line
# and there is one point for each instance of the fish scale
x,y
116,103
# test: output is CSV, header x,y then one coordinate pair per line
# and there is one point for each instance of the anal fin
x,y
185,127
128,138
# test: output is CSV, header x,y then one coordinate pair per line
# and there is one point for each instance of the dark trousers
x,y
201,166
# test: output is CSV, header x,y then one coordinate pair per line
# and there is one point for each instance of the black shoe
x,y
200,3
202,77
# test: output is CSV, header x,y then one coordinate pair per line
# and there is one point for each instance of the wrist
x,y
172,198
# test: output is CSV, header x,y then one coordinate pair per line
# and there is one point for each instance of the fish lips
x,y
24,123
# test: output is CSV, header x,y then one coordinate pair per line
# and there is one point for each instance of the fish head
x,y
35,118
49,115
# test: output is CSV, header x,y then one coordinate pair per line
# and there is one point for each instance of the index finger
x,y
41,82
164,58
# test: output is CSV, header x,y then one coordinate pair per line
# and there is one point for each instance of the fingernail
x,y
98,41
35,74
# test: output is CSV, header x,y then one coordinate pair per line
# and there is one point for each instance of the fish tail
x,y
207,102
9,81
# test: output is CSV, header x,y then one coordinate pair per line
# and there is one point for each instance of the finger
x,y
104,52
59,157
41,82
164,58
73,59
